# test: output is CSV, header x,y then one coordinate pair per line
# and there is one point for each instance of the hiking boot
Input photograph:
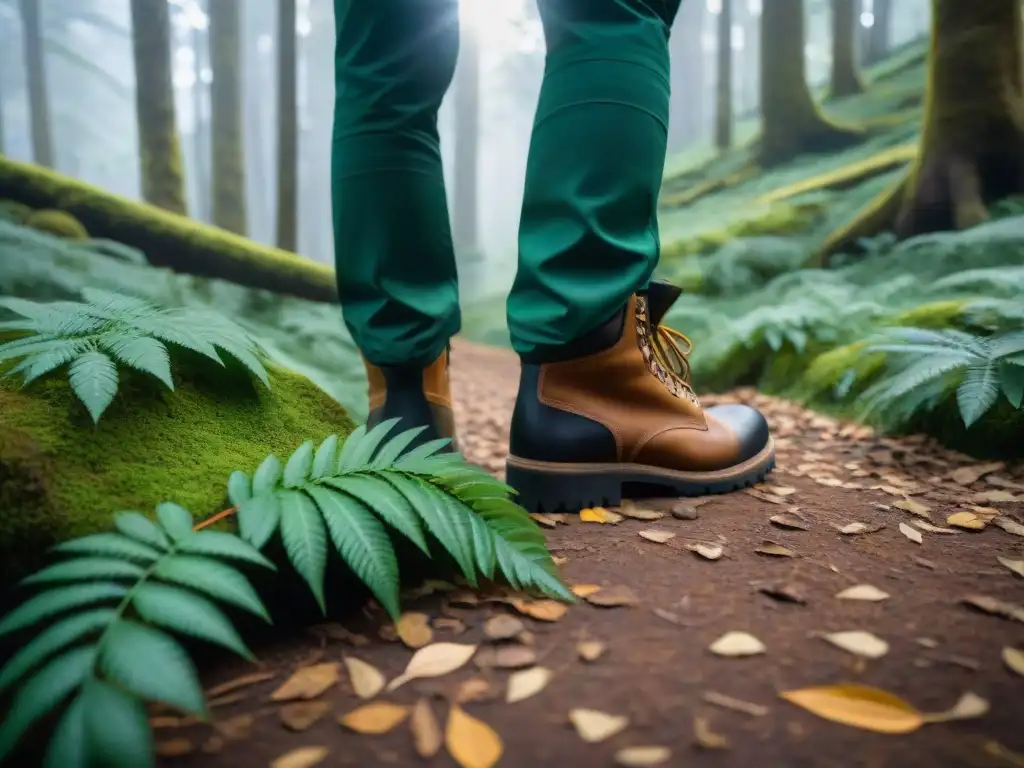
x,y
613,414
419,396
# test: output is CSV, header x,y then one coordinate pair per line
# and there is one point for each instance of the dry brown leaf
x,y
374,719
639,513
474,689
785,593
300,715
859,643
972,474
559,560
924,525
471,742
1003,754
1010,526
236,728
426,732
433,661
780,490
303,757
966,520
239,682
413,629
505,657
590,650
707,551
859,706
583,590
705,737
542,610
853,529
736,644
1014,659
995,607
527,683
772,549
865,592
174,748
594,726
308,682
613,597
995,497
1017,566
642,757
599,515
913,507
762,496
544,520
657,536
367,681
737,705
968,707
456,626
503,627
790,521
911,533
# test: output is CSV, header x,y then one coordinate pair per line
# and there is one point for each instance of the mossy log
x,y
972,141
168,240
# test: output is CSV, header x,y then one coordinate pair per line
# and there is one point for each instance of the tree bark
x,y
723,87
38,96
792,122
163,182
845,78
287,128
467,137
877,38
228,162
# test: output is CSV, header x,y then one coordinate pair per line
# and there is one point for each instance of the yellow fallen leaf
x,y
968,707
474,689
771,549
642,757
613,597
1017,566
367,681
865,592
859,706
527,683
911,533
426,733
503,627
780,490
657,536
594,726
471,742
859,643
433,661
705,737
585,590
374,719
303,757
966,520
1014,659
413,629
308,682
590,650
542,610
735,644
913,507
300,715
629,509
971,474
1010,526
707,551
599,515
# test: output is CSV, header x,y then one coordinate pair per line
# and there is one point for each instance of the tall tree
x,y
163,182
38,98
876,41
201,111
686,115
792,122
971,151
287,127
845,78
723,87
467,138
227,197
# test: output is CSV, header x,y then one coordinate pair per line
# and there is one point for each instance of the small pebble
x,y
684,512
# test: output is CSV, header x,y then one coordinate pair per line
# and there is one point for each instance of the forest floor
x,y
772,563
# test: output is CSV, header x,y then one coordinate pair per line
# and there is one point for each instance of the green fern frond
x,y
978,391
108,329
110,607
357,493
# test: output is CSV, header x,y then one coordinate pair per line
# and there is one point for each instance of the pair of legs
x,y
604,399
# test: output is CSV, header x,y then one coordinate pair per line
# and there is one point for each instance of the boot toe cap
x,y
748,424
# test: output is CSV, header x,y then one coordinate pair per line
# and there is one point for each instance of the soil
x,y
657,669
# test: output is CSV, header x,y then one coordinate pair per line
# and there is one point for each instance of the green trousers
x,y
588,233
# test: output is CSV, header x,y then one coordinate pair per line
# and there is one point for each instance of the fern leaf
x,y
239,488
978,392
305,540
109,545
508,518
41,694
86,568
143,353
366,446
67,747
57,601
187,613
173,329
525,573
115,727
175,519
223,545
93,377
53,639
1011,380
267,475
258,519
213,578
42,363
35,345
1007,344
424,459
363,544
481,537
298,466
116,306
348,448
325,457
150,664
390,451
385,500
141,528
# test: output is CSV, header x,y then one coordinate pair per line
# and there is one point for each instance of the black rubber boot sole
x,y
553,487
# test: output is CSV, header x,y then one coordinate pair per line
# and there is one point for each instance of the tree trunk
x,y
287,128
686,118
467,137
972,140
163,182
228,160
38,98
877,44
201,109
845,78
793,123
723,88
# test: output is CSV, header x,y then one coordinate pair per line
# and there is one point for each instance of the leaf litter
x,y
434,661
526,683
367,681
375,718
736,644
866,592
642,757
594,726
308,682
426,732
472,743
859,643
303,757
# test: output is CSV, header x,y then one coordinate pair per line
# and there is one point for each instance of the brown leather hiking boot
x,y
613,414
419,396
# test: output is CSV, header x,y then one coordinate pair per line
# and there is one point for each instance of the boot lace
x,y
672,350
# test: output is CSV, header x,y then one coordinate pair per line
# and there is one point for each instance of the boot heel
x,y
556,491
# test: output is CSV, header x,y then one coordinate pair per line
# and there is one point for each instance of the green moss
x,y
61,476
14,212
827,372
57,223
938,314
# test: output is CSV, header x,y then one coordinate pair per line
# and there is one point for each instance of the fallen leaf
x,y
558,560
684,511
471,742
456,626
367,681
599,515
737,705
707,738
707,551
1010,526
761,496
995,497
236,728
737,644
780,490
308,682
966,520
387,633
374,719
853,529
968,707
658,537
924,525
786,593
594,726
544,520
1008,756
583,590
542,610
590,650
790,521
300,715
413,629
913,507
426,733
527,683
972,474
612,597
474,689
505,657
865,592
639,513
433,661
995,607
859,706
642,757
1017,566
239,682
303,757
859,643
1014,659
174,748
771,549
503,627
911,533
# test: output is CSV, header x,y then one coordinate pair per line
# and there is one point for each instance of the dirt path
x,y
655,668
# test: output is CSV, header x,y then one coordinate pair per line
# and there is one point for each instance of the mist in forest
x,y
68,101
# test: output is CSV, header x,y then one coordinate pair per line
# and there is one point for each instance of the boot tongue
x,y
661,295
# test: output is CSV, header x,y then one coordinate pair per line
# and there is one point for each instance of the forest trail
x,y
771,563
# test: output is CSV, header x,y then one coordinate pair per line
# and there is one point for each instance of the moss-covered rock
x,y
57,223
14,212
61,476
